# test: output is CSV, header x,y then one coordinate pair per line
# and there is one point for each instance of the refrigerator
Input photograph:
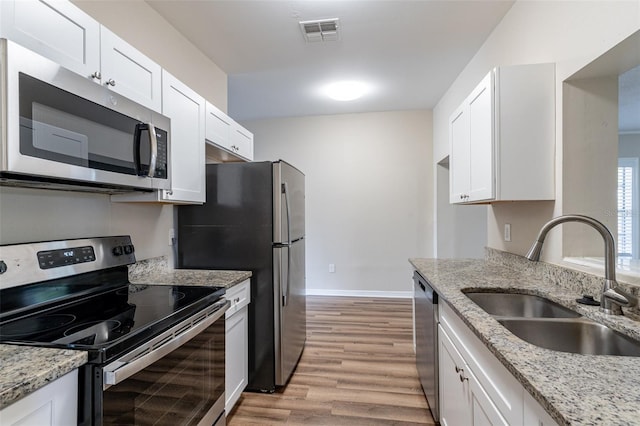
x,y
254,219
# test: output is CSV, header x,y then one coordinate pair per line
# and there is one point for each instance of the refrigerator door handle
x,y
285,293
285,191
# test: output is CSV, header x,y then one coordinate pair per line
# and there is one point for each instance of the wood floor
x,y
358,368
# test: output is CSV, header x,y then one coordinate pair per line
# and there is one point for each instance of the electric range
x,y
142,340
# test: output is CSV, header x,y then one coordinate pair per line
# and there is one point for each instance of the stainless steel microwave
x,y
61,130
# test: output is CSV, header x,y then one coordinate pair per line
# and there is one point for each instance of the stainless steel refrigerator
x,y
253,219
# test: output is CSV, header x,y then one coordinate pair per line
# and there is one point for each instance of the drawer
x,y
239,296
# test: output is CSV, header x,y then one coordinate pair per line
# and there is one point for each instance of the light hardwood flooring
x,y
358,368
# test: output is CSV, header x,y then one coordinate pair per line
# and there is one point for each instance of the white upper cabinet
x,y
58,30
186,109
502,137
218,126
226,139
242,141
128,72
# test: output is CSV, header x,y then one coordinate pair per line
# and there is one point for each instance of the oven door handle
x,y
132,363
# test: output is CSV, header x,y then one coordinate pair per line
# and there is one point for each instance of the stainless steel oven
x,y
177,378
60,129
156,352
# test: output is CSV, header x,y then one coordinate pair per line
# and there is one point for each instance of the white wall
x,y
569,33
30,215
368,194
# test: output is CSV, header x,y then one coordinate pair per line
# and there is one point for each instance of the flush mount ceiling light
x,y
346,90
320,30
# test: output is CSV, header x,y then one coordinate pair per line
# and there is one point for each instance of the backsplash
x,y
574,281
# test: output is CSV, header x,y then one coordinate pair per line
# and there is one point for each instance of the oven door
x,y
62,126
175,379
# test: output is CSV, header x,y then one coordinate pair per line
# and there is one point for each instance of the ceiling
x,y
408,51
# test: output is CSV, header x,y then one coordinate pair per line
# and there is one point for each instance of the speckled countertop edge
x,y
574,389
158,271
24,369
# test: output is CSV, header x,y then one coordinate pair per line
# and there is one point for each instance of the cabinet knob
x,y
462,378
96,75
111,82
236,300
458,369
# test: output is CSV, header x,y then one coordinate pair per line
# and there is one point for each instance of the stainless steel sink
x,y
520,305
580,336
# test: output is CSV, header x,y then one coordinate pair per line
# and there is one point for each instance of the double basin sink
x,y
547,324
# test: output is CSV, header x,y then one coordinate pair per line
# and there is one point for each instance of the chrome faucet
x,y
613,298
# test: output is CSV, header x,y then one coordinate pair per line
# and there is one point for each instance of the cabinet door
x,y
128,72
455,408
242,142
57,30
186,109
218,127
481,141
55,404
534,414
483,411
459,158
236,361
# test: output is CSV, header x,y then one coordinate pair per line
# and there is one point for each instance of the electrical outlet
x,y
332,268
507,232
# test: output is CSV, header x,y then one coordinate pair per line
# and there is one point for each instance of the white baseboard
x,y
360,293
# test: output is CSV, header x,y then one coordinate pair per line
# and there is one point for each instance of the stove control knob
x,y
3,267
128,249
117,251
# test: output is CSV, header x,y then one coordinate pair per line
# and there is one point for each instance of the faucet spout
x,y
612,297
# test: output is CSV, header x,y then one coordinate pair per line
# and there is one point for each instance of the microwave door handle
x,y
136,147
153,144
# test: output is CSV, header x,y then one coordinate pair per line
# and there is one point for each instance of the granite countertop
x,y
24,369
574,389
158,271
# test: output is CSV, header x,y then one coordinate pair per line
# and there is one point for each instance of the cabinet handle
x,y
458,369
96,75
462,378
236,300
111,82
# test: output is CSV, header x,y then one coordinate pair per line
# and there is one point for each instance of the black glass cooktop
x,y
106,323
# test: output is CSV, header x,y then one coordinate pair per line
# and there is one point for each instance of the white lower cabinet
x,y
237,343
534,414
55,404
475,388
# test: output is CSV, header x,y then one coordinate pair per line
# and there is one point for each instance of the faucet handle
x,y
620,297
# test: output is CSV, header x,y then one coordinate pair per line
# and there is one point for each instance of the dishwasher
x,y
426,318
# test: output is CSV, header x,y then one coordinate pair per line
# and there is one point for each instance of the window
x,y
627,208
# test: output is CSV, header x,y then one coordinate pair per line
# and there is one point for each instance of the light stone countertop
x,y
574,389
24,369
158,271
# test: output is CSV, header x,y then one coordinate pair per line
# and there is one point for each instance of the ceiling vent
x,y
320,30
